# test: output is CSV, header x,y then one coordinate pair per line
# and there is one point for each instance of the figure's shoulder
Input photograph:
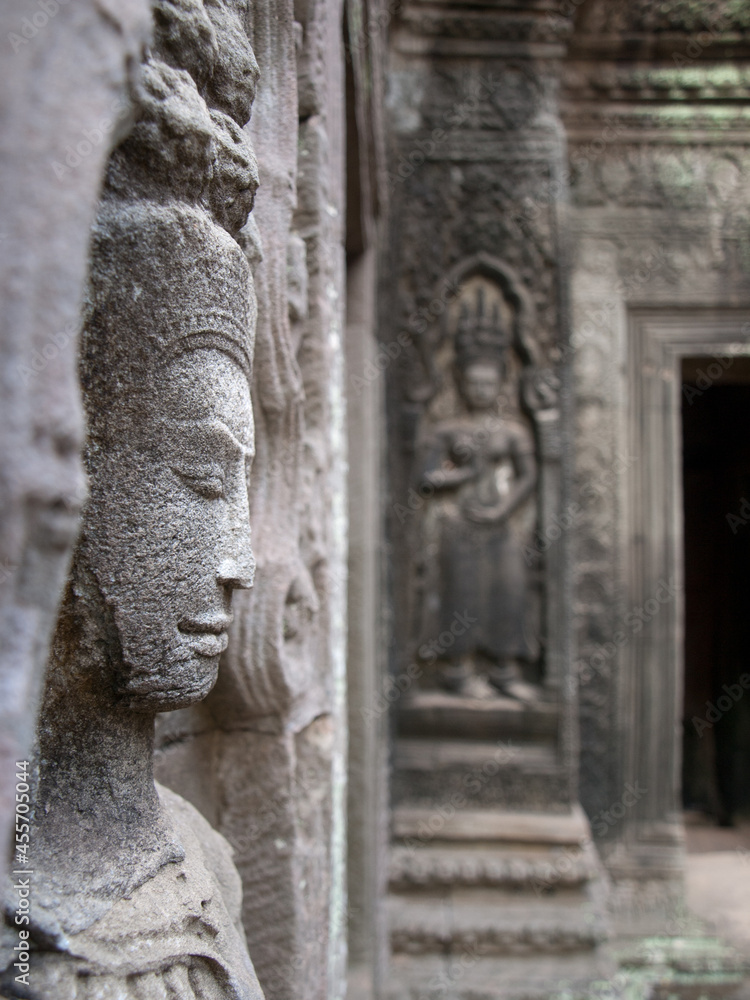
x,y
176,934
185,816
194,830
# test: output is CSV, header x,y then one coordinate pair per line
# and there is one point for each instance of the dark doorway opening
x,y
716,490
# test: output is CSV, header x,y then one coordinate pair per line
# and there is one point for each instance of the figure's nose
x,y
237,562
237,573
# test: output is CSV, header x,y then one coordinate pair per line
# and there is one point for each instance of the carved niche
x,y
478,589
132,893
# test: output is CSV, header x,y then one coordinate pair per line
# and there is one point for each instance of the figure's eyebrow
x,y
243,449
215,425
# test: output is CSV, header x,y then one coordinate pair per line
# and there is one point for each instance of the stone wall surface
x,y
475,253
65,103
658,234
479,513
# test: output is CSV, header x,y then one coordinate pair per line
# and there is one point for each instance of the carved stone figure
x,y
133,894
482,467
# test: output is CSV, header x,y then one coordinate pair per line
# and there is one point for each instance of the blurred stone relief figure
x,y
482,467
134,895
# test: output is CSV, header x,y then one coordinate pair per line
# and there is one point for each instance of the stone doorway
x,y
650,840
716,504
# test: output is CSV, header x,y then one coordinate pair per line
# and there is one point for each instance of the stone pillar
x,y
367,364
486,820
65,103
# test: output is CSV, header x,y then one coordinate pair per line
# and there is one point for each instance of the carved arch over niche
x,y
517,295
539,386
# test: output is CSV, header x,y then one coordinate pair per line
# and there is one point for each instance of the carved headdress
x,y
481,335
168,281
168,276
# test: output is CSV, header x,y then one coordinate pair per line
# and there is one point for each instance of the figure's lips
x,y
209,644
208,635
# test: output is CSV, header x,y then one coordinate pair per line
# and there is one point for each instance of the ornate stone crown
x,y
178,281
481,335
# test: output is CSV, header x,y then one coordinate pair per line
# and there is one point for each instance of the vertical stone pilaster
x,y
485,763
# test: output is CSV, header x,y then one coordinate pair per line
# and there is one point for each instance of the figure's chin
x,y
185,686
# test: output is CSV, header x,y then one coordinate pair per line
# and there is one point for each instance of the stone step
x,y
712,972
493,923
691,967
494,903
684,956
424,754
479,774
472,976
567,828
537,853
437,713
542,871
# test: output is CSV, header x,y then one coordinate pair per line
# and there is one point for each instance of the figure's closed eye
x,y
207,483
206,457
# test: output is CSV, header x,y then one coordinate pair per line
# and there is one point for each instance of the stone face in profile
x,y
133,894
178,504
171,435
